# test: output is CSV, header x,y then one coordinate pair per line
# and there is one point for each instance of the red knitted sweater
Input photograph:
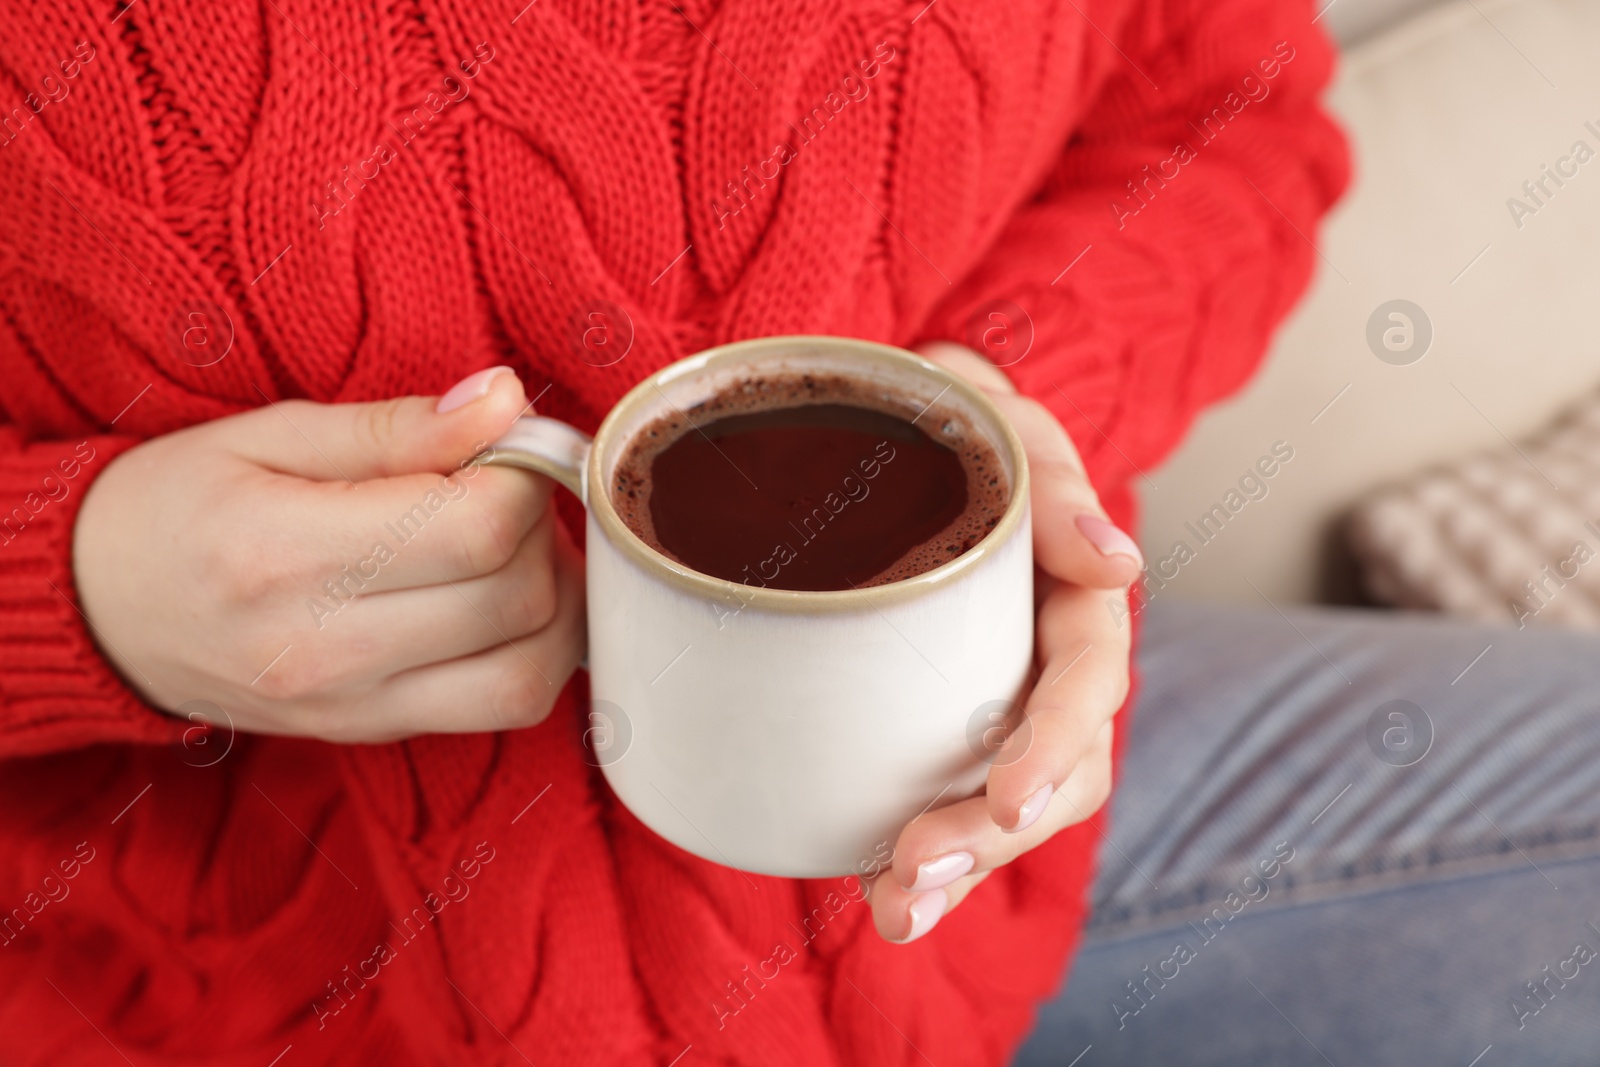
x,y
358,200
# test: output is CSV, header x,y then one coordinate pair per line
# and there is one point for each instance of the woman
x,y
246,252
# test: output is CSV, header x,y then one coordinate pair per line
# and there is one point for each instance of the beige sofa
x,y
1451,112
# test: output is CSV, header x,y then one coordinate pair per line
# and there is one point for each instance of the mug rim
x,y
604,513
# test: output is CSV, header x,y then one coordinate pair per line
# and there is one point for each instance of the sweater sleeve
x,y
57,690
1175,231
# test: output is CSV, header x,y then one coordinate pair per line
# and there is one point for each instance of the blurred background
x,y
1435,386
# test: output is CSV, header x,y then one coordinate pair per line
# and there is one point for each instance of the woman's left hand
x,y
1054,768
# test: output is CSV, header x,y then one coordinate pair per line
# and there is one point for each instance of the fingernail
x,y
470,388
1109,539
938,873
1029,813
926,910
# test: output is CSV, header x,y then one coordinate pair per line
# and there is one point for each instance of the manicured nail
x,y
470,388
1032,809
938,873
926,910
1109,539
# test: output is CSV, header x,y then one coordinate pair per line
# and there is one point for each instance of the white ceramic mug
x,y
790,732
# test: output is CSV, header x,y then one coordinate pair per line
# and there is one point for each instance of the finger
x,y
509,687
943,855
1083,682
402,532
902,916
961,360
355,442
1073,537
367,639
951,842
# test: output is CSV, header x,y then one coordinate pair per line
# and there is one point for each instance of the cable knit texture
x,y
359,200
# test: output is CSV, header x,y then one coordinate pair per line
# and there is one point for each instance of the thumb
x,y
383,438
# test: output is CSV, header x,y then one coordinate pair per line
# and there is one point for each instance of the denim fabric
x,y
1407,887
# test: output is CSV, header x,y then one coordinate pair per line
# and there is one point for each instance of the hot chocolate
x,y
811,482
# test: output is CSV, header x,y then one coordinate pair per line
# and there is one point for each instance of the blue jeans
x,y
1346,838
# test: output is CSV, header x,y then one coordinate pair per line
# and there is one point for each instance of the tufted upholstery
x,y
1508,536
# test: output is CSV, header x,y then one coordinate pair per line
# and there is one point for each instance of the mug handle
x,y
546,446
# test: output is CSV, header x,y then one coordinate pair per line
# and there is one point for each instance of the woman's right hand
x,y
337,571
